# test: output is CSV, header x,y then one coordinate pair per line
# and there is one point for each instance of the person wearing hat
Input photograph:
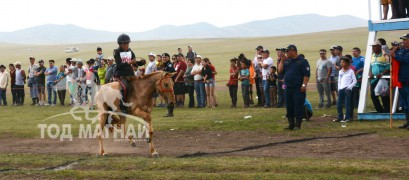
x,y
4,81
152,64
40,79
32,83
72,74
257,80
296,72
402,57
336,64
168,67
167,64
124,57
191,54
150,69
380,66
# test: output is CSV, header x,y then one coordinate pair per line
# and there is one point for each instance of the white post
x,y
370,10
380,9
395,100
365,73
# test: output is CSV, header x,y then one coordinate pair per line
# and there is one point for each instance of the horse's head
x,y
164,86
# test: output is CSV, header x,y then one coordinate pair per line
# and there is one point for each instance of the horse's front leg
x,y
151,146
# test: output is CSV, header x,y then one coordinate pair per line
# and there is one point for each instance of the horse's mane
x,y
134,78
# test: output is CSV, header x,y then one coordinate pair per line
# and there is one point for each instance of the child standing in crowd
x,y
90,81
272,81
99,58
102,70
233,82
60,85
346,81
245,83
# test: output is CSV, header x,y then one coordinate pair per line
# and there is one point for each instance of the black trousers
x,y
280,94
233,94
14,93
20,94
61,96
191,91
375,100
294,99
258,90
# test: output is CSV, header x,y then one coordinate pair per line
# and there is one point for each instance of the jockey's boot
x,y
171,106
124,91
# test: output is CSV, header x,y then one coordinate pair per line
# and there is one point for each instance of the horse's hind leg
x,y
103,118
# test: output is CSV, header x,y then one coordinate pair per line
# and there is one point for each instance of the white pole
x,y
370,10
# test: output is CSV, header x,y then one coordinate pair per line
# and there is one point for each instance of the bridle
x,y
163,89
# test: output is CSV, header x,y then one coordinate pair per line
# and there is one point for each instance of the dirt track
x,y
205,143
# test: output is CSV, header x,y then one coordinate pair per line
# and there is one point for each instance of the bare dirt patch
x,y
242,143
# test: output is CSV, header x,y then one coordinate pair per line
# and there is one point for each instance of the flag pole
x,y
390,93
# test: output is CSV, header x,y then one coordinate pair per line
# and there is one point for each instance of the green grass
x,y
124,167
21,122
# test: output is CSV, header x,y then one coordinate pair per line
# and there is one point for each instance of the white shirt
x,y
264,71
346,79
151,68
196,67
32,70
4,79
255,61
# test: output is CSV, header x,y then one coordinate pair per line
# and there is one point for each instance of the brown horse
x,y
140,91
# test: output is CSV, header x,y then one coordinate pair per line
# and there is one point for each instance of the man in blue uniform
x,y
296,72
402,56
168,67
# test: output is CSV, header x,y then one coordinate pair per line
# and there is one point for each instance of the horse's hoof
x,y
102,155
155,155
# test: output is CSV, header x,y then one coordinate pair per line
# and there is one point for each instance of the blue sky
x,y
142,15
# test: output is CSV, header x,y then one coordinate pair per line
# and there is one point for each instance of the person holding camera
x,y
296,72
402,57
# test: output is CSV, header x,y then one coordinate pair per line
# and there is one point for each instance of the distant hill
x,y
72,34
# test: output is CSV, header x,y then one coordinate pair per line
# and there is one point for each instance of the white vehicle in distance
x,y
71,49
